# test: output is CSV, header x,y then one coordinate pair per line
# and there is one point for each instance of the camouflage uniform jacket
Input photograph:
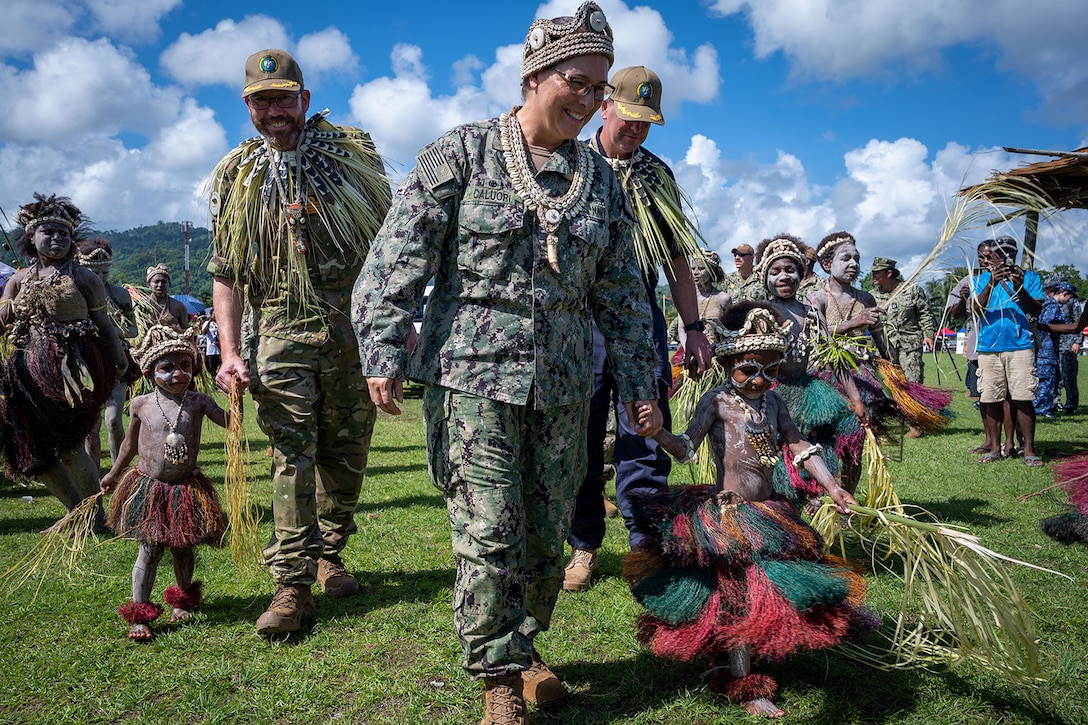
x,y
277,307
743,289
500,323
909,319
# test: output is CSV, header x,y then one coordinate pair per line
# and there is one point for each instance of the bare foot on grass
x,y
763,706
180,615
141,633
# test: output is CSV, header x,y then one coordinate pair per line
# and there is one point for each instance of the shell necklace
x,y
758,431
175,450
550,211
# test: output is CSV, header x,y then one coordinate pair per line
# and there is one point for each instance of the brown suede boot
x,y
580,571
290,604
542,687
504,702
335,580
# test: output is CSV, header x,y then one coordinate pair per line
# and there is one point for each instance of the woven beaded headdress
x,y
159,268
552,41
826,248
783,246
162,340
760,331
56,209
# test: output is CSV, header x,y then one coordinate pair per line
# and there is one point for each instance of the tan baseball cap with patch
x,y
638,95
272,70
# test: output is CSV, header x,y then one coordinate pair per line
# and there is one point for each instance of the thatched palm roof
x,y
1062,181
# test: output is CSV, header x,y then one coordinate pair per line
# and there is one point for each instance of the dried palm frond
x,y
687,397
59,548
342,178
959,602
242,516
658,201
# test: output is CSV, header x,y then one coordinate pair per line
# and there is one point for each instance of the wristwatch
x,y
699,325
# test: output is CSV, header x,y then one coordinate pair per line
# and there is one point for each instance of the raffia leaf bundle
x,y
242,517
959,602
59,548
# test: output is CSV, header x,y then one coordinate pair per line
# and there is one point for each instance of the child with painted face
x,y
739,541
165,501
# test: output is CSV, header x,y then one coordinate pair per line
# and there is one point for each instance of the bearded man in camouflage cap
x,y
293,212
527,236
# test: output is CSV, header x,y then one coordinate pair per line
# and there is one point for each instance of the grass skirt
x,y
53,391
720,576
177,515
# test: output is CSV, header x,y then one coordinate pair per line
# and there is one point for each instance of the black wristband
x,y
699,325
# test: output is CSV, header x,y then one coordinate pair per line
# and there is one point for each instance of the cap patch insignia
x,y
268,64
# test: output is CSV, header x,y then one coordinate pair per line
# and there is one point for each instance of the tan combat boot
x,y
541,686
580,570
504,703
290,604
610,509
335,580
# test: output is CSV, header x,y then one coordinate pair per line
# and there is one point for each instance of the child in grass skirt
x,y
734,571
165,502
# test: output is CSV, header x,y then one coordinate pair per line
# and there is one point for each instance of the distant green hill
x,y
134,250
137,249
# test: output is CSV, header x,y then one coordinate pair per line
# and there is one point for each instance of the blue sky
x,y
800,116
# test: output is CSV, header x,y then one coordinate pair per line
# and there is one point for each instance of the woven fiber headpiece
x,y
159,268
826,248
96,258
162,340
760,331
56,209
779,248
552,41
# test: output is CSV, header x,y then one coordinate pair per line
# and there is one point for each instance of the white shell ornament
x,y
536,38
552,216
597,21
214,203
174,439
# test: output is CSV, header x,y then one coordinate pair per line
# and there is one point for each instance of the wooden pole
x,y
1031,234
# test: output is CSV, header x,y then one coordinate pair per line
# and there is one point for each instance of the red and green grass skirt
x,y
723,575
176,515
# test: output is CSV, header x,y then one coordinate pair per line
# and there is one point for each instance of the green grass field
x,y
390,656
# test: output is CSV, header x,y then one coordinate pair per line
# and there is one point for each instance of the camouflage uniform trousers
x,y
910,353
509,474
313,404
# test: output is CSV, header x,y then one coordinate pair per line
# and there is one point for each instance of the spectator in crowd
x,y
742,284
1070,345
909,326
1004,296
1048,353
957,305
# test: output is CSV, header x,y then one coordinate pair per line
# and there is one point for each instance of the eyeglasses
x,y
581,87
743,254
287,100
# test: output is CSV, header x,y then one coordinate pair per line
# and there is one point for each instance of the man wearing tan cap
x,y
293,212
526,235
664,237
742,284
